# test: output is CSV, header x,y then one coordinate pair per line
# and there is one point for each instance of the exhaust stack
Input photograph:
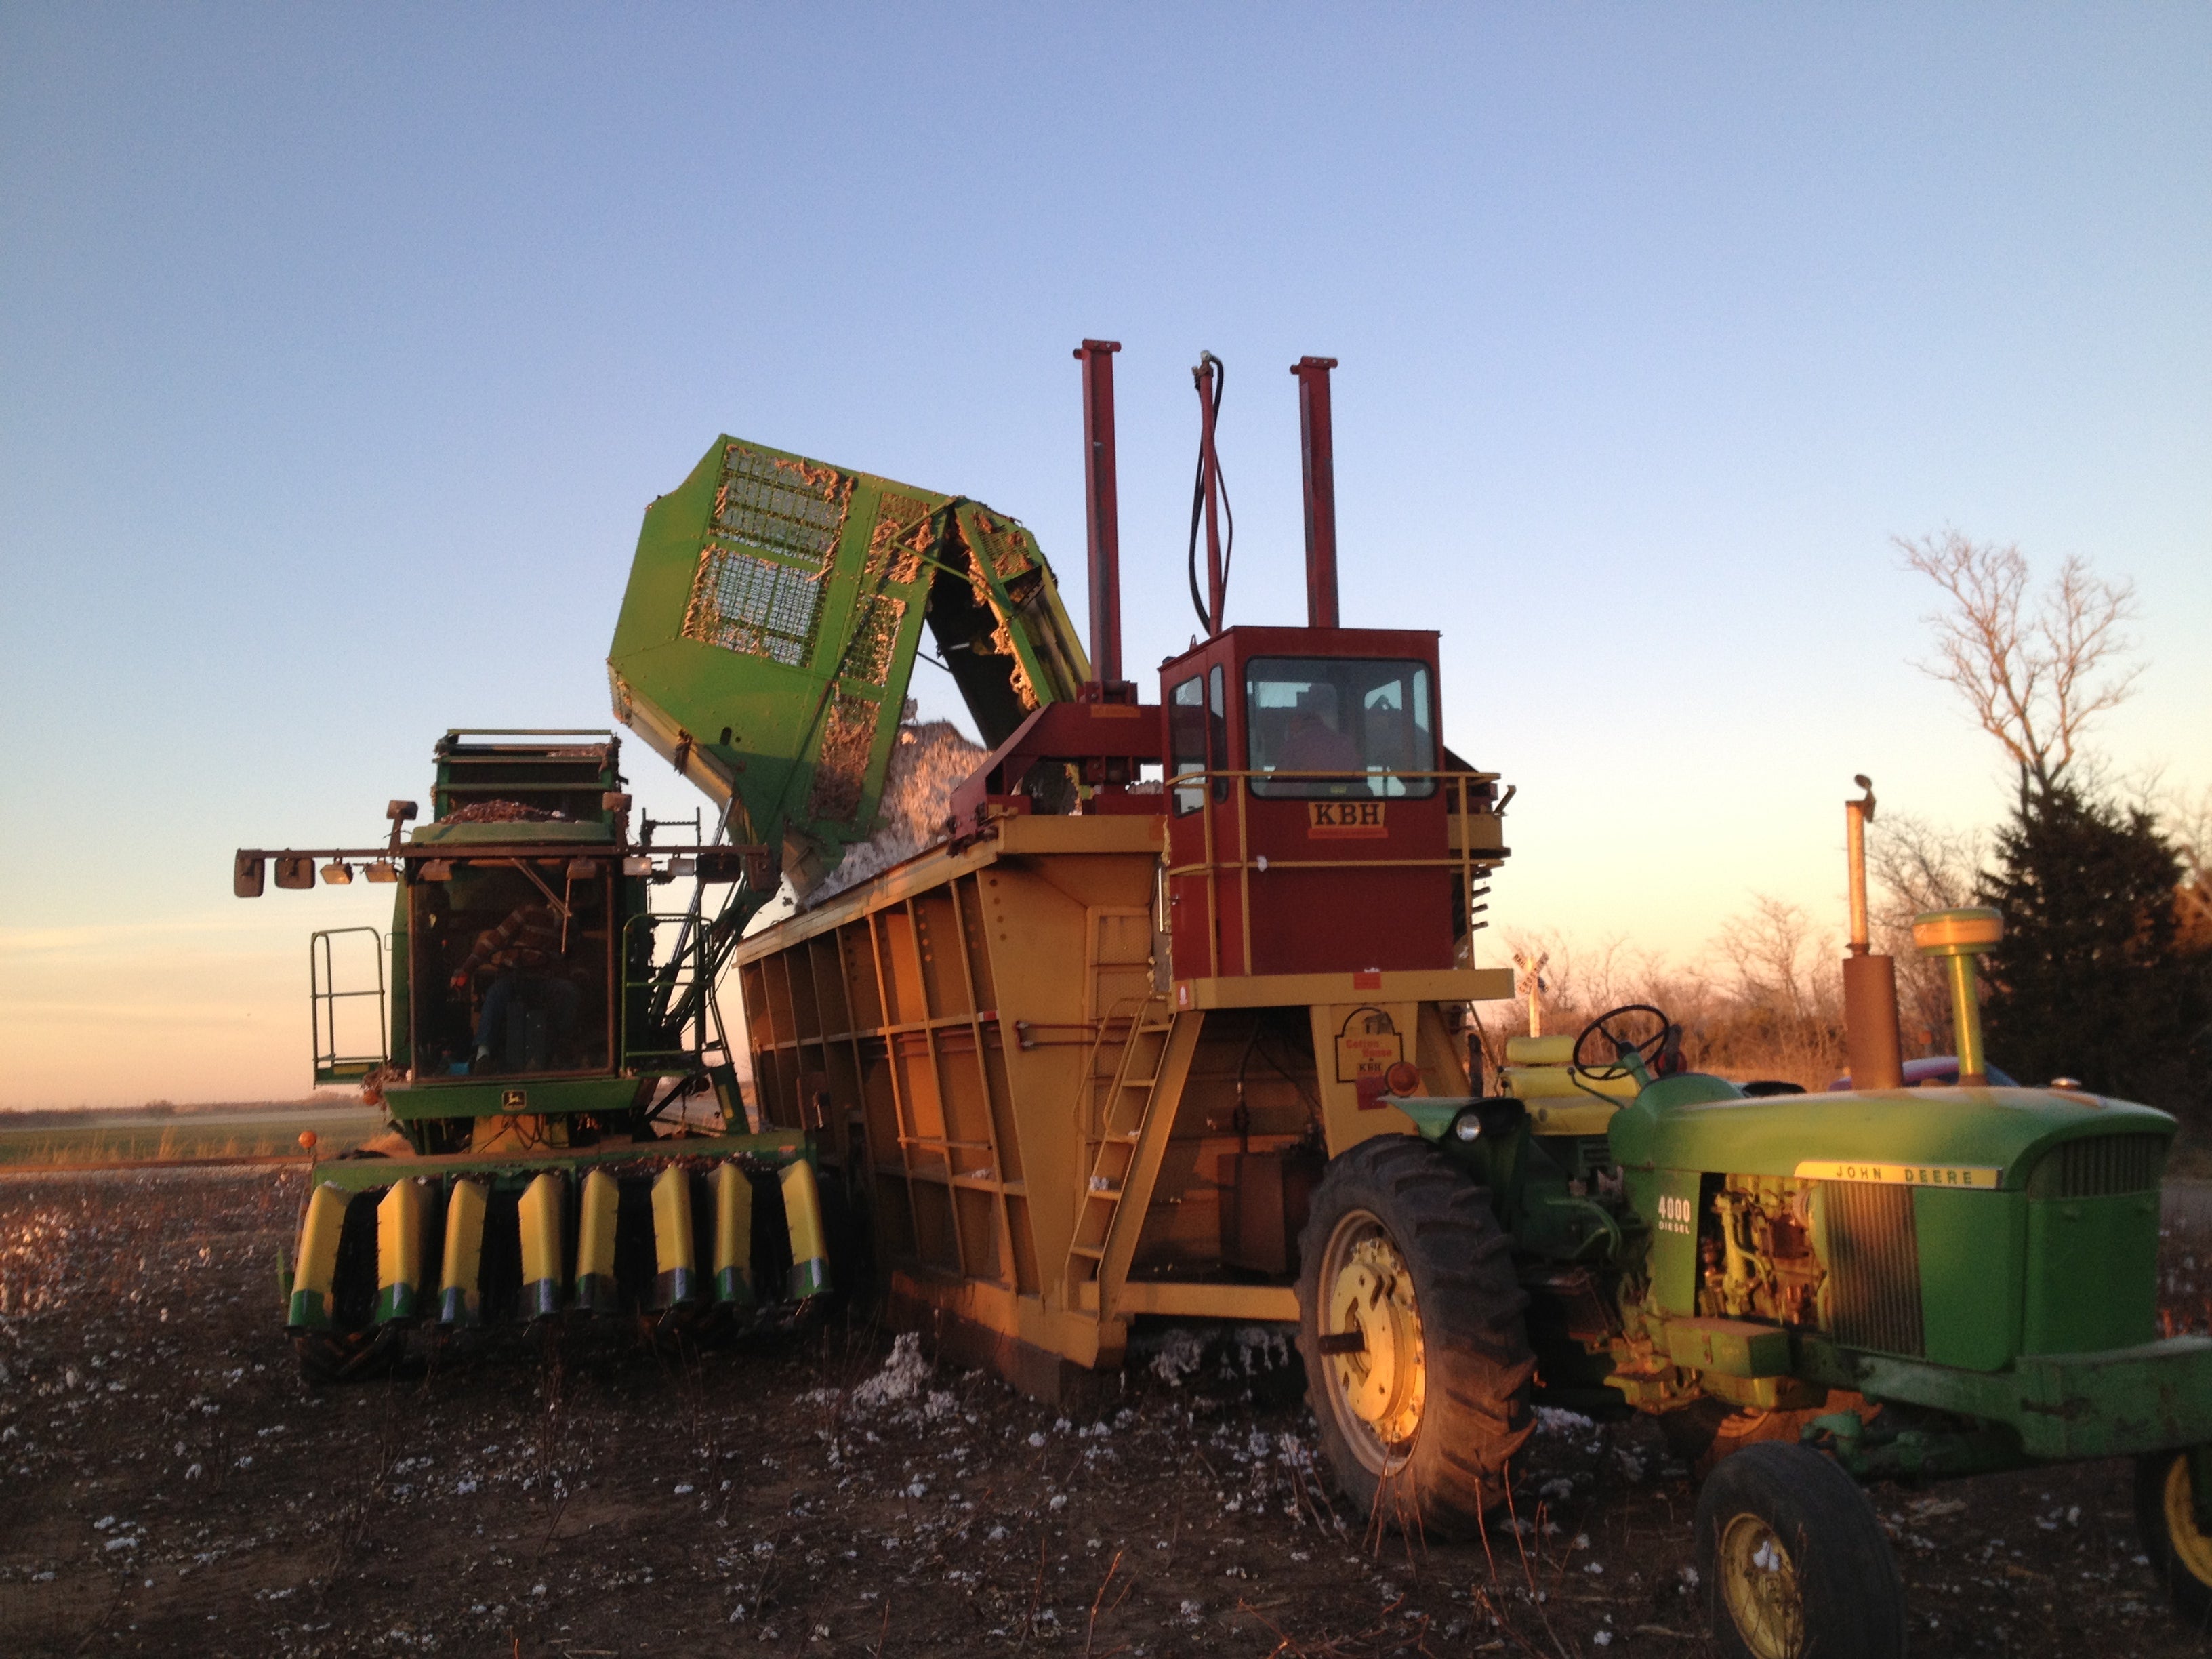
x,y
1317,455
1871,1045
1101,511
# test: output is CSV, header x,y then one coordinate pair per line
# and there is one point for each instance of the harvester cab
x,y
567,1131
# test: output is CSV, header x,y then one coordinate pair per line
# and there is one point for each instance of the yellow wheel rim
x,y
1377,1387
2192,1545
1759,1587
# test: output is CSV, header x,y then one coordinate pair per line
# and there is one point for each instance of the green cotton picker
x,y
566,1132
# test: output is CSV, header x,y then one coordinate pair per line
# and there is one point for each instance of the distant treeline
x,y
65,1117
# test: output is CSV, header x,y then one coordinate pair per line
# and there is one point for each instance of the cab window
x,y
1187,735
1323,727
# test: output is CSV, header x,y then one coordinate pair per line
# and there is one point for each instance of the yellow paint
x,y
1367,1041
539,1212
963,1029
802,1210
1346,1124
1346,820
1540,1051
517,1132
400,1215
1758,1588
1946,932
318,1251
1475,832
595,1227
1195,1301
1559,1083
1377,1389
2192,1546
675,1264
733,1236
1901,1175
671,1219
1304,990
461,1302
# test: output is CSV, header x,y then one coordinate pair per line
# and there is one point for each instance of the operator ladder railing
x,y
1128,1128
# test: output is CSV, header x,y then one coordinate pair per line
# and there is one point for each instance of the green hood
x,y
1999,1135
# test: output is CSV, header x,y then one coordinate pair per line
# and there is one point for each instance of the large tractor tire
x,y
1417,1355
2180,1550
1793,1561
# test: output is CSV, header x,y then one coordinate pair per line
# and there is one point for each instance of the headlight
x,y
1468,1126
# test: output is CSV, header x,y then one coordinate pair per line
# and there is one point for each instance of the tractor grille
x,y
2101,1166
1874,1257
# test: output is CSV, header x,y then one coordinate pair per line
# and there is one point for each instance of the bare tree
x,y
2036,672
1919,866
1775,962
2187,820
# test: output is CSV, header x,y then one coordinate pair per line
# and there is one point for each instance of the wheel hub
x,y
1759,1586
2192,1545
1381,1379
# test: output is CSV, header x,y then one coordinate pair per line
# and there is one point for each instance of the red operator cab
x,y
1310,803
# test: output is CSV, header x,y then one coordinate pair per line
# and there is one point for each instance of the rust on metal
x,y
841,771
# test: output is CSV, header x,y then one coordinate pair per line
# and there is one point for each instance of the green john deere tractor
x,y
1810,1291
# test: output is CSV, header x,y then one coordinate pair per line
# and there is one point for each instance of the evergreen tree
x,y
2094,980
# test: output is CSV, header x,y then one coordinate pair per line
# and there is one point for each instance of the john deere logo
x,y
1901,1175
513,1100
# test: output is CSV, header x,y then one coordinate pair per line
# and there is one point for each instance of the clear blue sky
x,y
341,348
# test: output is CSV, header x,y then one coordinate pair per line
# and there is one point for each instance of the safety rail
x,y
322,998
1459,811
666,997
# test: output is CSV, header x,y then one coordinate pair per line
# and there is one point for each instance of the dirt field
x,y
170,1488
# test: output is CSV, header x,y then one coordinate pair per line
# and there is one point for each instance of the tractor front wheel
x,y
2180,1549
1417,1358
1793,1560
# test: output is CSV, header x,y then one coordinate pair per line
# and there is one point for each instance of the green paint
x,y
1973,1252
1732,1348
774,610
1670,1126
396,1302
311,1311
2092,1278
469,1098
1671,1201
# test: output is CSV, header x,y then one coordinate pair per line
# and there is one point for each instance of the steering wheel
x,y
1607,1029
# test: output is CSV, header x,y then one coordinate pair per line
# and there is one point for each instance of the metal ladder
x,y
1132,1137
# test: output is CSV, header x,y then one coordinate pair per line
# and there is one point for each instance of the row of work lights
x,y
299,870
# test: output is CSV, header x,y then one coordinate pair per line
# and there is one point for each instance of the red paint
x,y
1102,512
1317,464
1361,920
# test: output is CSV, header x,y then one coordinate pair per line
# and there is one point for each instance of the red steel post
x,y
1101,513
1317,449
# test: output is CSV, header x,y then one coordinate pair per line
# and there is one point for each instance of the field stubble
x,y
172,1488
